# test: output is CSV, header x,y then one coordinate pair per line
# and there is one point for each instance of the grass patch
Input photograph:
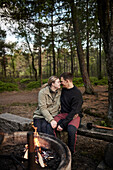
x,y
8,87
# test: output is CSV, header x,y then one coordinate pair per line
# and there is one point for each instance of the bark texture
x,y
83,68
105,13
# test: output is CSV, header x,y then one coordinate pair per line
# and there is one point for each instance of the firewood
x,y
26,154
41,160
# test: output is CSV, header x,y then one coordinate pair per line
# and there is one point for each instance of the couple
x,y
59,110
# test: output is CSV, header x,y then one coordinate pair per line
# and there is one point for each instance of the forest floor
x,y
89,152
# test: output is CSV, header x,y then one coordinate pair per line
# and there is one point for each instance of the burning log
x,y
26,152
40,159
32,143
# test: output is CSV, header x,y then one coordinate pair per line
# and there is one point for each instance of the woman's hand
x,y
59,128
53,124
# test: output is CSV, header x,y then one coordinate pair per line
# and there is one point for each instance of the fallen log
x,y
101,134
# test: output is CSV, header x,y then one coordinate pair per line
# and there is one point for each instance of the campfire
x,y
35,151
42,156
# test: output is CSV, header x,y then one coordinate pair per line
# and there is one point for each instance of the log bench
x,y
12,123
101,134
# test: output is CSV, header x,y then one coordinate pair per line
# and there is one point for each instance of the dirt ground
x,y
89,152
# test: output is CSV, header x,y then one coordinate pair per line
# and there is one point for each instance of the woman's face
x,y
56,84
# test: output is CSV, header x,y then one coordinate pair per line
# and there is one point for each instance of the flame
x,y
36,144
36,141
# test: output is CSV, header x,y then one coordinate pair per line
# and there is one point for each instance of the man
x,y
71,104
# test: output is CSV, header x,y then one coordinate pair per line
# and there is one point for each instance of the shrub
x,y
78,82
26,80
44,81
8,80
103,123
103,81
94,81
8,87
32,85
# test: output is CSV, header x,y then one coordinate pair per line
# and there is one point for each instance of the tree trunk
x,y
13,66
32,58
105,13
50,65
53,45
72,60
71,48
87,52
29,67
58,61
47,65
99,61
64,63
4,66
40,56
86,80
40,65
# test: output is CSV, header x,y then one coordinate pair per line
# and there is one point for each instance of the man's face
x,y
64,82
56,84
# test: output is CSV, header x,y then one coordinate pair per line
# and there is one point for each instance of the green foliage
x,y
10,84
103,81
95,81
33,85
78,81
25,80
103,123
17,80
9,80
44,81
8,87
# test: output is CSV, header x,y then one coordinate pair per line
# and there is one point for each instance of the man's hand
x,y
53,124
59,128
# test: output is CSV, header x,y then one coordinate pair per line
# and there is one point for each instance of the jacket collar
x,y
48,91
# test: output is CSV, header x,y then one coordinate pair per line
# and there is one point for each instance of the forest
x,y
56,36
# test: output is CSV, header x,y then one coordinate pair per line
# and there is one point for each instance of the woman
x,y
48,106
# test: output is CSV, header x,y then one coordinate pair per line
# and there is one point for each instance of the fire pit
x,y
61,152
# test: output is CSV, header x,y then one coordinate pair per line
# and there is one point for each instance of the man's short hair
x,y
67,75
